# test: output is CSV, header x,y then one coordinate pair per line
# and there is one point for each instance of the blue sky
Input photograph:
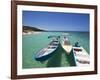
x,y
56,21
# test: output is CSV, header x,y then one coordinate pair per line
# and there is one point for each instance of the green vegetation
x,y
29,29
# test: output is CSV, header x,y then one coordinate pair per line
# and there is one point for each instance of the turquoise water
x,y
32,43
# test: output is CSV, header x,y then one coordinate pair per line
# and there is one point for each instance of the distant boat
x,y
81,56
66,44
47,52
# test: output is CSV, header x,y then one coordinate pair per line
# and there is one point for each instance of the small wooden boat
x,y
47,52
66,44
81,56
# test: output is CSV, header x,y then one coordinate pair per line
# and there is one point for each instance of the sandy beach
x,y
32,32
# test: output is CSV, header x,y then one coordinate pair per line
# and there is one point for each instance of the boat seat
x,y
77,49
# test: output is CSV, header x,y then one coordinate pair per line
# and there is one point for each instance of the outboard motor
x,y
77,44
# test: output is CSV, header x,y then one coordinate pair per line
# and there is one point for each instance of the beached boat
x,y
47,52
66,44
81,56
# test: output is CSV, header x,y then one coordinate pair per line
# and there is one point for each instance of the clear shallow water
x,y
32,43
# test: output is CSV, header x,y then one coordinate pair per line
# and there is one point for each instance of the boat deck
x,y
67,48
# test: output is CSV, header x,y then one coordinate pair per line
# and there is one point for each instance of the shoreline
x,y
32,32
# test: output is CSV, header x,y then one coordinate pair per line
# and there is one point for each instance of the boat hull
x,y
44,58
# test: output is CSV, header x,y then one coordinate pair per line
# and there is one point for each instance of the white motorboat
x,y
66,44
81,56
